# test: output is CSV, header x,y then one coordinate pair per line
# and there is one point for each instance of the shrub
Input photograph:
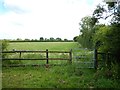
x,y
3,46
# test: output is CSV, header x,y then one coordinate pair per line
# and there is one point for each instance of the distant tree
x,y
27,39
35,40
45,39
58,39
52,39
32,40
19,39
75,38
65,40
41,39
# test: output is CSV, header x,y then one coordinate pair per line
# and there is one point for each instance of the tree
x,y
41,39
75,38
58,39
27,39
52,39
19,39
87,31
112,10
107,38
65,40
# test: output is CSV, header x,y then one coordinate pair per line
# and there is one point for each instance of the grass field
x,y
64,76
43,45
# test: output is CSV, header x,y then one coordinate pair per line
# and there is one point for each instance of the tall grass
x,y
54,77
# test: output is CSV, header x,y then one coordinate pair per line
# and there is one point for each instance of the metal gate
x,y
83,58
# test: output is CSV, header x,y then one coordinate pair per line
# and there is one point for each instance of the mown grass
x,y
42,45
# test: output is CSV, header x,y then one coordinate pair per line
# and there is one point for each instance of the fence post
x,y
20,56
47,56
70,56
95,59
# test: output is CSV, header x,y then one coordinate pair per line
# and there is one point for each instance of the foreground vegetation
x,y
55,77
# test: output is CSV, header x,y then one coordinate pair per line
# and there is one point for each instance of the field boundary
x,y
38,51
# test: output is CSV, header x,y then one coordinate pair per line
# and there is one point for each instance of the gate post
x,y
95,59
20,57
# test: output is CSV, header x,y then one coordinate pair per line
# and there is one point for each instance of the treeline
x,y
103,37
42,40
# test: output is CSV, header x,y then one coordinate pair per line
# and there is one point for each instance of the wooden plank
x,y
58,51
24,51
22,65
23,58
59,58
33,65
35,58
37,51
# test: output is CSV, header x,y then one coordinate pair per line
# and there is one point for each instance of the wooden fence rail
x,y
38,51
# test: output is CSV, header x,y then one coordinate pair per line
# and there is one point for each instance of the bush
x,y
3,47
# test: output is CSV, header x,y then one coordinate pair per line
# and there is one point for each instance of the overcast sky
x,y
43,18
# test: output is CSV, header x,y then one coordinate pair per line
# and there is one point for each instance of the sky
x,y
43,18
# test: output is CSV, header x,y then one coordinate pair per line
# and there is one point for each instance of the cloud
x,y
47,18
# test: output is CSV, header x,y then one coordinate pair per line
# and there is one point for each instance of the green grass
x,y
42,45
64,76
54,77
